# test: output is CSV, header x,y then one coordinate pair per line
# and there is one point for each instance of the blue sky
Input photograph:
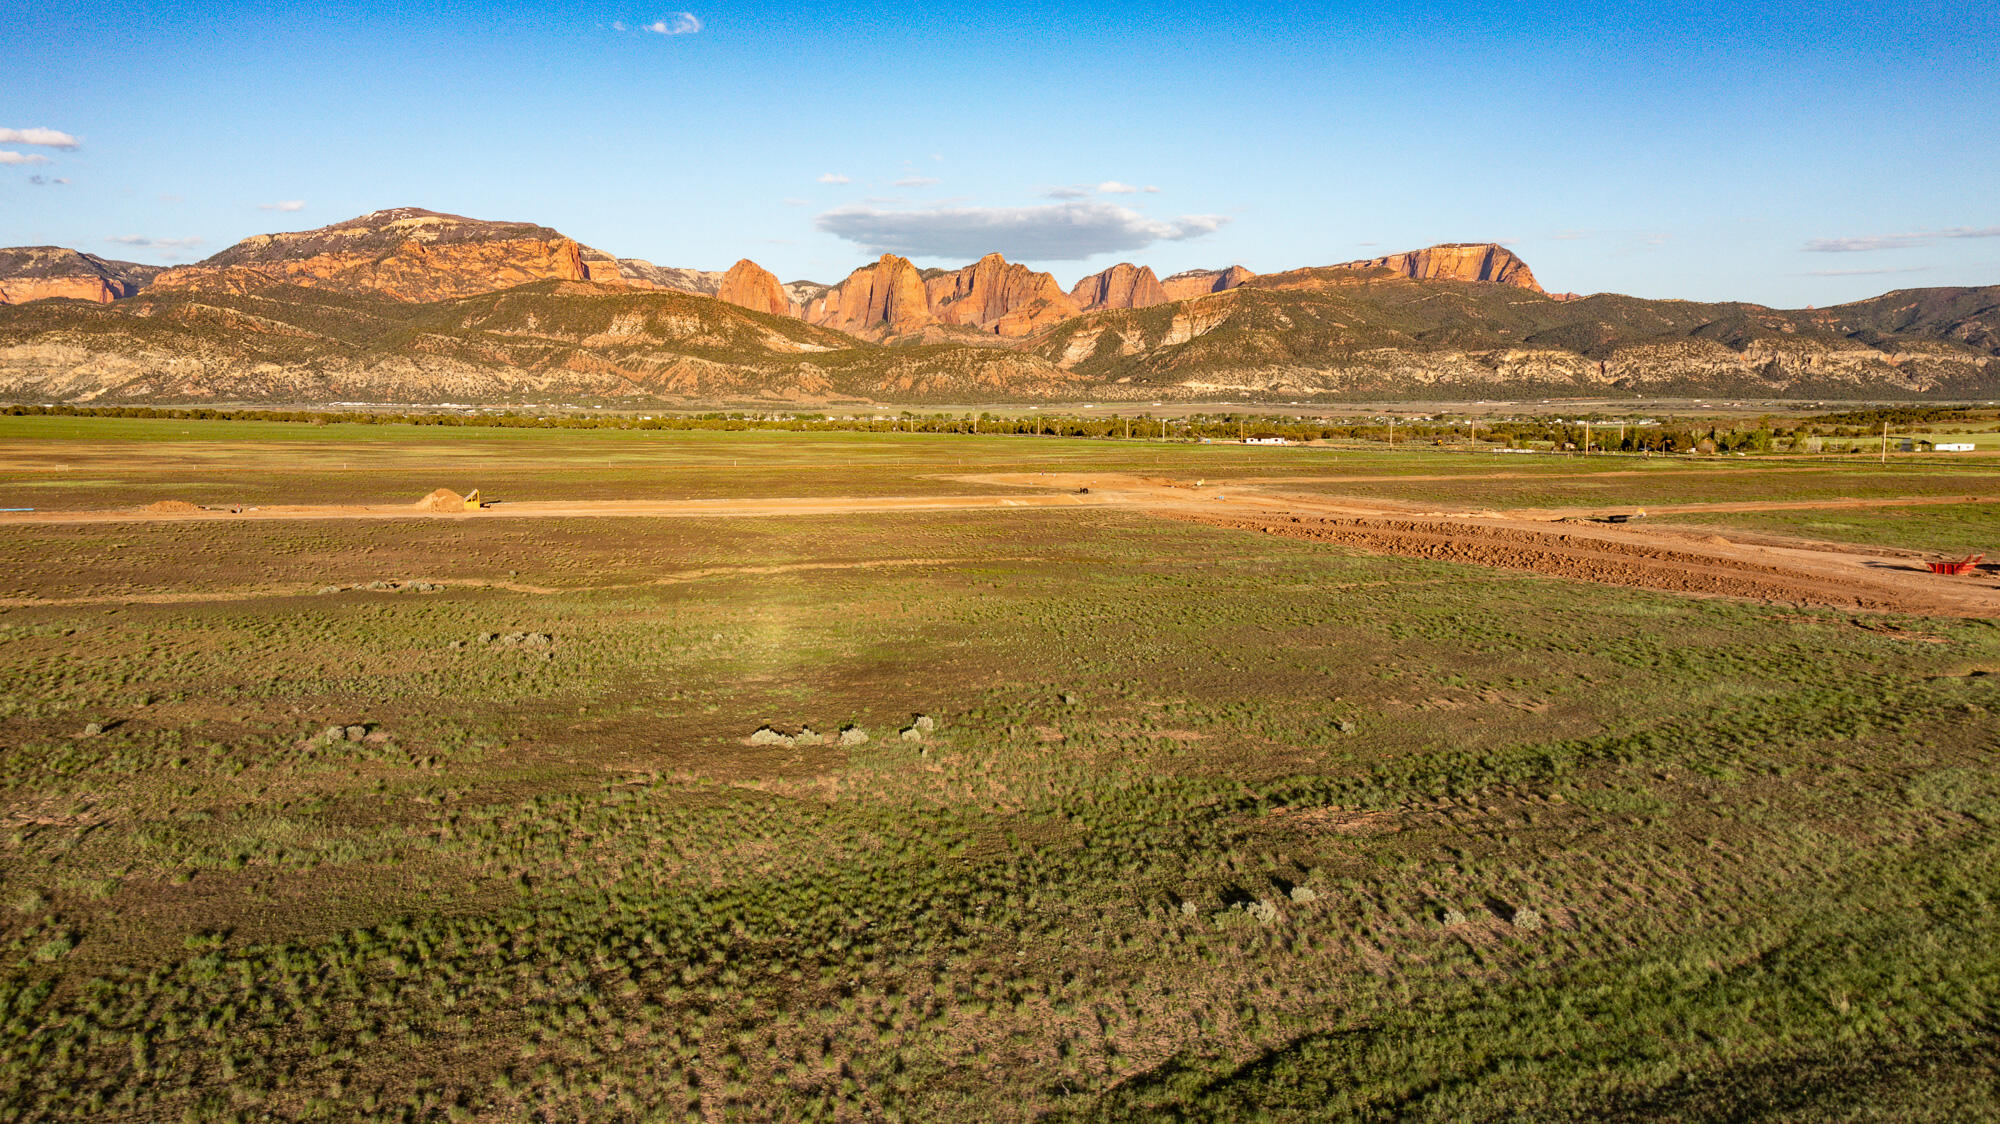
x,y
1785,154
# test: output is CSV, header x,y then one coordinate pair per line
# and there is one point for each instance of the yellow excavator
x,y
472,500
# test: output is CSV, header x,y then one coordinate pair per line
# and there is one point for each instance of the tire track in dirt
x,y
1674,569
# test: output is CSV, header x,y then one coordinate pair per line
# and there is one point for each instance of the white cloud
x,y
1086,190
834,177
1056,232
22,158
44,181
286,205
155,243
918,181
47,138
1870,242
676,23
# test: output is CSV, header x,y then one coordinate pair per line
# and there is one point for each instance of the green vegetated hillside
x,y
1311,333
1327,333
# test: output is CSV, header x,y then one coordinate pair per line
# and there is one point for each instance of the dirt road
x,y
1675,559
571,509
1545,541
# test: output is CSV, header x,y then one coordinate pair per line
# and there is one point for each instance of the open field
x,y
1290,804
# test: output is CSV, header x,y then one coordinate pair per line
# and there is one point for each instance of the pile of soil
x,y
444,499
172,507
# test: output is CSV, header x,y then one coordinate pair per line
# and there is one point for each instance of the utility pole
x,y
1586,439
1885,442
1392,431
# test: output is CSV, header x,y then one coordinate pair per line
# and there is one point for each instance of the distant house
x,y
1265,441
1953,447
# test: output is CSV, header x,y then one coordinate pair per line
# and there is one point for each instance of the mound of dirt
x,y
444,499
171,507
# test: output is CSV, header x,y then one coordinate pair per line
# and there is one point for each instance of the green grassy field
x,y
1209,825
1950,528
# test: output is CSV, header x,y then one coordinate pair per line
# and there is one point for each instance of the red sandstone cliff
x,y
1121,286
1201,282
999,298
887,297
33,273
752,286
1456,261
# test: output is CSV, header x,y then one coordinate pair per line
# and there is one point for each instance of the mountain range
x,y
418,306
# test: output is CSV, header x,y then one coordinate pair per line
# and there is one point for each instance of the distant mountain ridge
x,y
375,295
33,273
406,252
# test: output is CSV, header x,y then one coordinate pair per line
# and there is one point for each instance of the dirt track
x,y
1545,541
573,509
1674,559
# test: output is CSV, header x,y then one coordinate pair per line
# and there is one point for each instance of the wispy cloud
x,y
44,181
22,158
1086,190
1869,242
1864,272
834,177
286,205
1056,232
918,181
676,23
47,138
155,243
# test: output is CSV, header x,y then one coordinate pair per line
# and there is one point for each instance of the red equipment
x,y
1955,568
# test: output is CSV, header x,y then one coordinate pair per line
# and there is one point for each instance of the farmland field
x,y
494,818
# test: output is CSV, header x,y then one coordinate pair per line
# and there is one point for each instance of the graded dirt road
x,y
1559,542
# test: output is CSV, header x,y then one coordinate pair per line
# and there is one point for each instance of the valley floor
x,y
1341,785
